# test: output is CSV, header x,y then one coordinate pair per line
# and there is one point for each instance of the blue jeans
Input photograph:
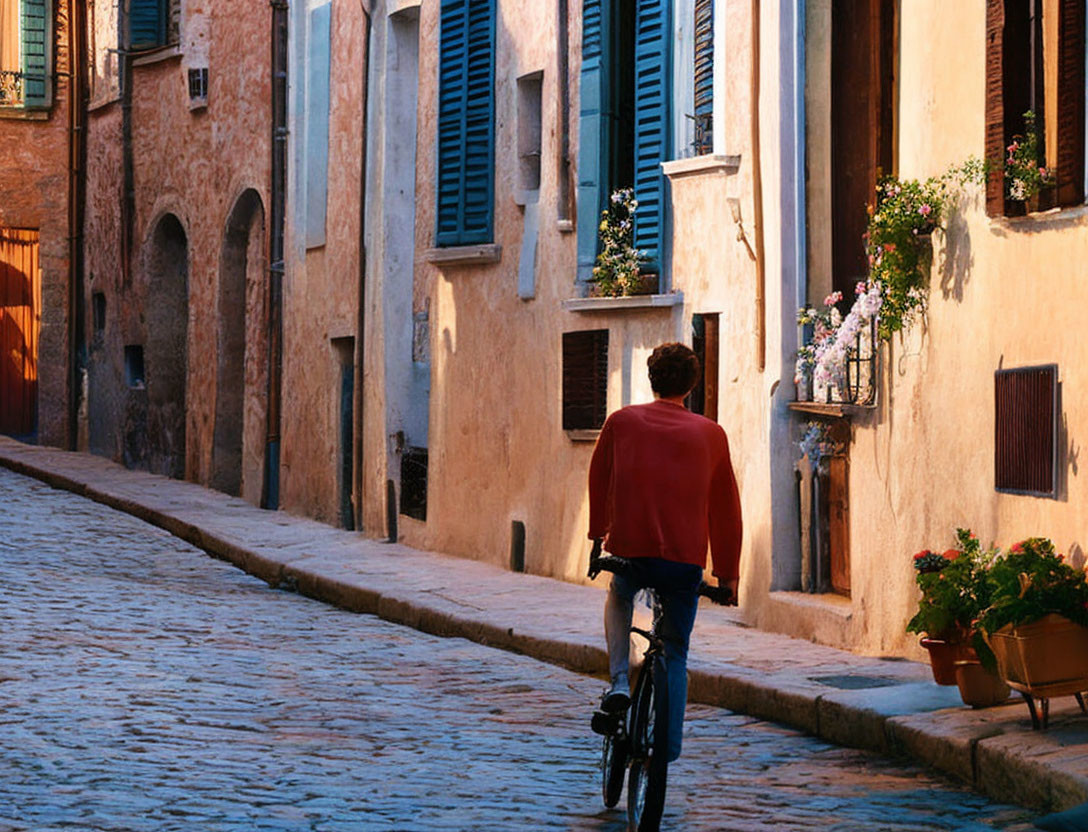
x,y
677,586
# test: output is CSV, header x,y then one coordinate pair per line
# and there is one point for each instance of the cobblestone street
x,y
146,686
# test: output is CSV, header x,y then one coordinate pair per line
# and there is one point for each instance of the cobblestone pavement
x,y
146,686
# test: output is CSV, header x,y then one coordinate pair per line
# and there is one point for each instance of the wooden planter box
x,y
1046,658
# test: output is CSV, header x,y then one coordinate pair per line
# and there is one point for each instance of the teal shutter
x,y
35,58
592,165
146,24
466,116
652,97
704,76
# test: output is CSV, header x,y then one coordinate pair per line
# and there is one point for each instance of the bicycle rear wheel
x,y
649,749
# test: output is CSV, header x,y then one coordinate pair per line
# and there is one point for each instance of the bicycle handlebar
x,y
598,563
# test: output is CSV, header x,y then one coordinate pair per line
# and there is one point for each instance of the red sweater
x,y
661,484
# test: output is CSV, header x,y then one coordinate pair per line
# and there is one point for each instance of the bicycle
x,y
638,740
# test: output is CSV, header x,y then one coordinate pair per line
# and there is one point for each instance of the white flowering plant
x,y
818,443
824,323
1025,176
616,271
853,333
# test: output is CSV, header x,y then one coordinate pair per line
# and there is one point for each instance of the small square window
x,y
585,379
1026,430
198,87
134,366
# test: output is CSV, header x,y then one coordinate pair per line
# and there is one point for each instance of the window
x,y
153,23
585,379
466,123
704,77
704,341
624,119
1035,55
25,53
1026,430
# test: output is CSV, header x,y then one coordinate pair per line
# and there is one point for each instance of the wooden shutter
x,y
591,138
20,324
995,106
35,43
652,68
585,379
146,24
1069,175
466,123
704,76
1025,430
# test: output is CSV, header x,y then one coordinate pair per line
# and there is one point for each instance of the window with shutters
x,y
585,379
1035,61
703,140
1026,430
624,131
466,123
26,53
153,23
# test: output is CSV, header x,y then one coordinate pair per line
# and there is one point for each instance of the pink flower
x,y
860,288
925,210
871,259
1042,172
1012,148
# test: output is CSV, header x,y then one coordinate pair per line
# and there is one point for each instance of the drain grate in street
x,y
854,682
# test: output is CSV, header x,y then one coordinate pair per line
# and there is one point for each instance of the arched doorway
x,y
241,386
166,363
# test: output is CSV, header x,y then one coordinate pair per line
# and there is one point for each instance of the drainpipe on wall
x,y
270,496
799,128
360,326
77,158
757,197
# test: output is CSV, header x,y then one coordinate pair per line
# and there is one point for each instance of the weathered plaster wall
x,y
34,193
321,287
194,164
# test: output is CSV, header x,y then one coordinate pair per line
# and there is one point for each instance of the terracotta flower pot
x,y
979,687
943,656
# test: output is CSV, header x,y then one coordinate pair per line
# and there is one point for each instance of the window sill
x,y
21,114
1039,220
837,411
102,103
701,165
154,56
584,435
464,255
826,602
630,302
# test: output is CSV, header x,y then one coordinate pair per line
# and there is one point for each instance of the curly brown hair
x,y
674,369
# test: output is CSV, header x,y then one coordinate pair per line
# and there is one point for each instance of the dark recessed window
x,y
134,366
1026,430
198,84
585,379
413,483
98,306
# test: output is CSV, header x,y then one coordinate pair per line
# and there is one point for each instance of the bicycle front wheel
x,y
650,744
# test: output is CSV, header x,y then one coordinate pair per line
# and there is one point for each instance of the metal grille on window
x,y
585,379
198,84
1026,430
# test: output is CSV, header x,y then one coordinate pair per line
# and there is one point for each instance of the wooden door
x,y
20,322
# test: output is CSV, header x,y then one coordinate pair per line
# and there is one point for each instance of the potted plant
x,y
1025,173
954,592
1036,621
617,271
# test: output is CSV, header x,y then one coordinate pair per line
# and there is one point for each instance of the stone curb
x,y
913,720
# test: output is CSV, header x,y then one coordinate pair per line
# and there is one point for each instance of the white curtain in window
x,y
9,35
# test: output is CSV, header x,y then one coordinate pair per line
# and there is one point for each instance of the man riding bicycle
x,y
661,486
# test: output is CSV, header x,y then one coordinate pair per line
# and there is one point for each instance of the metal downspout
x,y
270,496
360,334
77,156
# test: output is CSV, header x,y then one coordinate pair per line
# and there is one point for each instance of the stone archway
x,y
166,363
241,387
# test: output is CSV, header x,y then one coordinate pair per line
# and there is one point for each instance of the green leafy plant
x,y
1030,581
954,589
616,271
1025,172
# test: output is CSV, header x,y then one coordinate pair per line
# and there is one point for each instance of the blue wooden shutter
x,y
466,114
35,44
592,164
652,97
704,76
146,23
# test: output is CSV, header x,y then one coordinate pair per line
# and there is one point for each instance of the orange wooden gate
x,y
20,322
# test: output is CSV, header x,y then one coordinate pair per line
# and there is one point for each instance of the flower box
x,y
1046,658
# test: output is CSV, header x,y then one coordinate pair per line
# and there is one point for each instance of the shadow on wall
x,y
957,260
